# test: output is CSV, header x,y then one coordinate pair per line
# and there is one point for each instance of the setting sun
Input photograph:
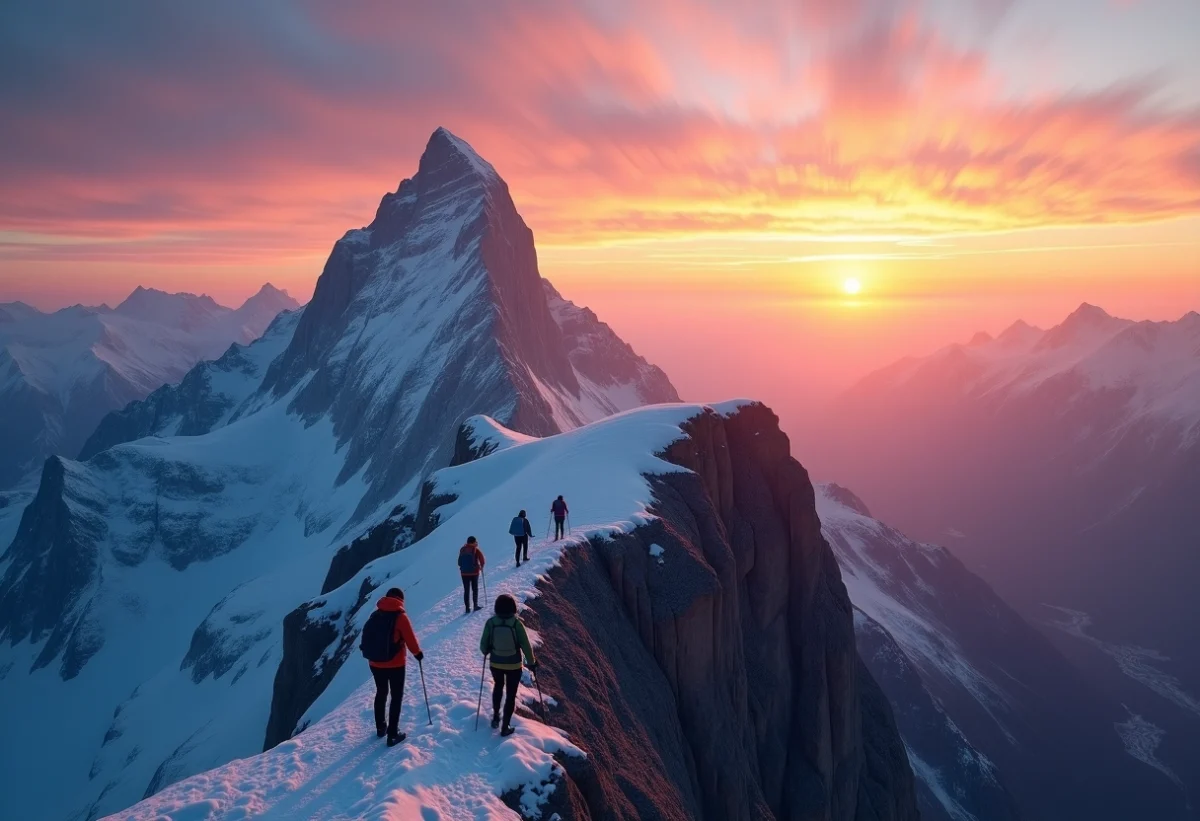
x,y
851,286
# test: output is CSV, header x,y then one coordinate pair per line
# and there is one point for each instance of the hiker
x,y
470,565
521,530
559,509
387,638
504,637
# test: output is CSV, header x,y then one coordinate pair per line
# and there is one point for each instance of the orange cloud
x,y
194,139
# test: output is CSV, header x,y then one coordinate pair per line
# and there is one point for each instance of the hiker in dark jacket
x,y
504,637
470,565
559,509
521,530
390,674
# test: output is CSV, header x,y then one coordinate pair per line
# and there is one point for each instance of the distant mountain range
x,y
1063,465
61,372
998,723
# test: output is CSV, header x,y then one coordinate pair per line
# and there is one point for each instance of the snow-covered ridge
x,y
337,768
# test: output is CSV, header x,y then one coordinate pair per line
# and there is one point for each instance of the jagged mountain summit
x,y
60,373
1063,465
997,722
143,596
696,644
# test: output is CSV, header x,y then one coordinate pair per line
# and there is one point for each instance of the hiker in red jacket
x,y
470,565
559,509
387,628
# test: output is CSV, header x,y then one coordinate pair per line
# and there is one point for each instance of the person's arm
x,y
528,528
482,560
523,641
485,641
405,628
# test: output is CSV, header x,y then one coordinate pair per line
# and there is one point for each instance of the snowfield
x,y
337,768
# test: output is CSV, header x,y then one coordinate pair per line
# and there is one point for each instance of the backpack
x,y
559,507
468,561
517,528
505,647
378,642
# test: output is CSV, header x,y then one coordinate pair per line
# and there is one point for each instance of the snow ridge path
x,y
338,768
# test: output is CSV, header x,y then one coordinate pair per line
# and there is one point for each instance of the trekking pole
x,y
548,518
479,706
533,675
483,576
568,524
426,692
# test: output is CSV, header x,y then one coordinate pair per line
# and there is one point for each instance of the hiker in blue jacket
x,y
470,565
521,530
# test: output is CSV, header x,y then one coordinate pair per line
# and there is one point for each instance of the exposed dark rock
x,y
215,650
307,632
54,560
394,533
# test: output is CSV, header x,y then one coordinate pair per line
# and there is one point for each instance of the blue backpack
x,y
517,528
468,561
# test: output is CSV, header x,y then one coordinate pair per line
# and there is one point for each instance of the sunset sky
x,y
706,175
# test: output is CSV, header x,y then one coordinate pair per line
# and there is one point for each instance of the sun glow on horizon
x,y
852,286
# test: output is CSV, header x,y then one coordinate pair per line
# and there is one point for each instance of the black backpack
x,y
377,637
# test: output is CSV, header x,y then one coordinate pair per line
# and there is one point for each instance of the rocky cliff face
x,y
707,660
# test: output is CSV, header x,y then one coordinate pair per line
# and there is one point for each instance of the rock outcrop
x,y
751,632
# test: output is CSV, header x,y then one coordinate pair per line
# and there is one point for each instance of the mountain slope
x,y
61,372
998,723
156,651
705,668
1065,464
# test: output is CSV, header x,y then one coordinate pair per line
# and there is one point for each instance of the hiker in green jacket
x,y
504,637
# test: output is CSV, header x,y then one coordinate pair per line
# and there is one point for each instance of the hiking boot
x,y
380,732
495,722
393,740
507,731
468,611
477,608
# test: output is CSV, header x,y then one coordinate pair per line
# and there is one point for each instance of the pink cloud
x,y
679,116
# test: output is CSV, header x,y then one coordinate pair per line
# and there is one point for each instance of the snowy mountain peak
x,y
264,306
444,146
1019,333
1086,312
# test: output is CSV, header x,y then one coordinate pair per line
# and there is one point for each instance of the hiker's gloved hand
x,y
418,656
532,666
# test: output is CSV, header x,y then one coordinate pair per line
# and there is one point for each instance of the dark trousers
x,y
558,526
388,678
510,679
470,589
522,545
